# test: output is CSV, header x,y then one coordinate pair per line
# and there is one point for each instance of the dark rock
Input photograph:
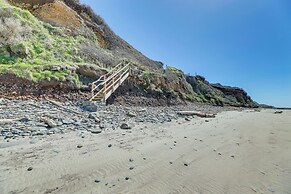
x,y
126,178
30,169
79,146
24,119
125,126
131,168
130,160
102,126
278,112
187,119
97,181
89,106
110,145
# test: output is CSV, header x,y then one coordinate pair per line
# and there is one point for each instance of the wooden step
x,y
114,79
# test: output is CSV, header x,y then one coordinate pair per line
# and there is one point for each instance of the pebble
x,y
110,145
131,114
29,169
187,119
131,168
97,181
96,131
126,178
57,120
125,126
79,146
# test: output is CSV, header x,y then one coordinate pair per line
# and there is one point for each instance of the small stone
x,y
97,181
110,145
33,141
125,126
101,126
79,146
219,153
206,121
67,121
50,123
232,156
24,119
89,106
30,169
94,117
171,162
187,119
185,164
131,168
126,178
96,131
131,114
130,160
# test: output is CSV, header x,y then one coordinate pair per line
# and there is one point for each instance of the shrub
x,y
12,30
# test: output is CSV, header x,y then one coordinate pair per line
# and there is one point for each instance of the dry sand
x,y
236,153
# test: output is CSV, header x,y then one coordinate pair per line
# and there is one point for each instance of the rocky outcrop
x,y
62,45
239,94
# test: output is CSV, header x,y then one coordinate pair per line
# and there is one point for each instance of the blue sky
x,y
244,43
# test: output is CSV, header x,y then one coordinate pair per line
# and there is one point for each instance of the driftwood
x,y
193,113
278,112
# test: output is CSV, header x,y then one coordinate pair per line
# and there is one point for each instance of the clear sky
x,y
244,43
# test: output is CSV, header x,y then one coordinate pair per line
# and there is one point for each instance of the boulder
x,y
89,106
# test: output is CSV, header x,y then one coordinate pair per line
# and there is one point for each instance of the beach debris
x,y
278,112
194,113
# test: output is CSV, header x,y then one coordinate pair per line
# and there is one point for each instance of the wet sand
x,y
238,152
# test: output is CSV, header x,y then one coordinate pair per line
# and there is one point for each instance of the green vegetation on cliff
x,y
40,44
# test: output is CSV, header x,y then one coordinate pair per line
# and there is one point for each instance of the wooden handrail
x,y
109,80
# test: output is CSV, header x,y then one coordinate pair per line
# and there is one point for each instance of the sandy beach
x,y
238,152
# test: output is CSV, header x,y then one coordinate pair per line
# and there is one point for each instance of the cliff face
x,y
62,44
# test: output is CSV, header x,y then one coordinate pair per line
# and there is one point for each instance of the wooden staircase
x,y
108,83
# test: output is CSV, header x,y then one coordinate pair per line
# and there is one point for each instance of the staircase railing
x,y
108,83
